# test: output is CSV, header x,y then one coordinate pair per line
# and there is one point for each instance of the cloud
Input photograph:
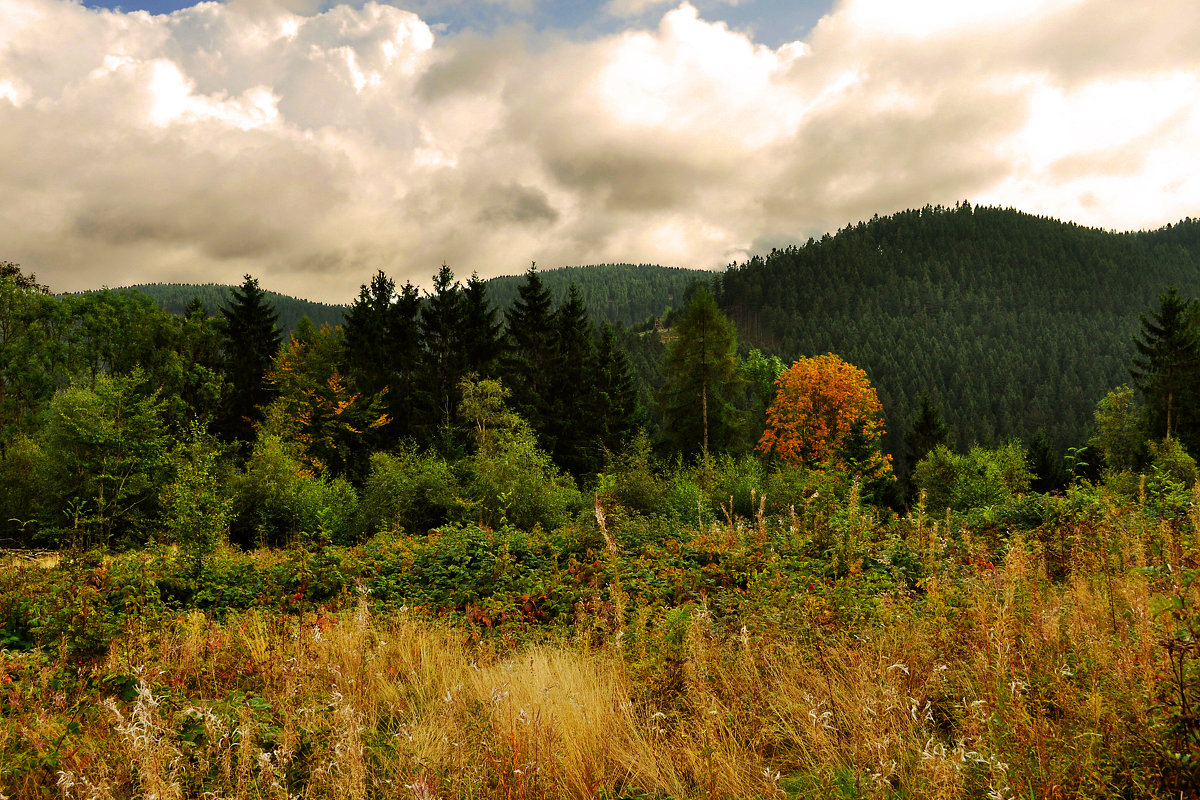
x,y
311,147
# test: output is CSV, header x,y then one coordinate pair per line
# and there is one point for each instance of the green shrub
x,y
515,483
195,509
634,479
411,490
277,499
686,501
1170,458
104,453
983,477
19,507
737,485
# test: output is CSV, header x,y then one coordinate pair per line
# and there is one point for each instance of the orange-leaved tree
x,y
826,414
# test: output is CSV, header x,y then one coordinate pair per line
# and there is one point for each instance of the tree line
x,y
105,395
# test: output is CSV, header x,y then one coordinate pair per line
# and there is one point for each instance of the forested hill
x,y
628,293
1011,322
174,298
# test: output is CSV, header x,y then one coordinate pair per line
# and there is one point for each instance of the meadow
x,y
1043,648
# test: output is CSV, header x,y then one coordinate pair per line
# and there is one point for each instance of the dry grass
x,y
998,683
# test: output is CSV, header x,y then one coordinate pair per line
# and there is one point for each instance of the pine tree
x,y
570,430
527,365
444,359
382,350
482,341
614,404
367,354
1046,464
926,431
251,339
404,348
1167,369
702,376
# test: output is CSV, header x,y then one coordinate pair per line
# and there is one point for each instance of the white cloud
x,y
311,148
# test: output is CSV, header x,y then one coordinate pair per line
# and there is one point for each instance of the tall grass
x,y
990,679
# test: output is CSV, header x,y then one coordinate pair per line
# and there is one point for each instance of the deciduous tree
x,y
826,414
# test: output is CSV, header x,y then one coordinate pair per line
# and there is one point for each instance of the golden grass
x,y
996,684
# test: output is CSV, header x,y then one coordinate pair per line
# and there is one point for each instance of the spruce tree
x,y
614,402
926,431
527,365
405,349
1046,464
570,429
444,358
367,352
482,340
1167,369
251,339
381,350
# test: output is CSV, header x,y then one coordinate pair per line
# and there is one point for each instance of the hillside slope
x,y
1011,322
628,293
174,298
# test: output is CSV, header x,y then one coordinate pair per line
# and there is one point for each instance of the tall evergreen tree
x,y
444,360
381,349
1046,464
404,347
702,377
614,401
251,339
367,352
527,365
1167,369
482,340
570,429
925,431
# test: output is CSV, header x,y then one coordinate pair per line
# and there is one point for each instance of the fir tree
x,y
614,401
482,340
1046,464
570,430
444,359
926,431
1167,369
251,339
367,352
527,365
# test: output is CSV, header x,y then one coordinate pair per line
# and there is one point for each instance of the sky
x,y
310,143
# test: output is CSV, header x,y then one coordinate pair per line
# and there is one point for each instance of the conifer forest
x,y
909,511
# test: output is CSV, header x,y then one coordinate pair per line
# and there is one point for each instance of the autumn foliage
x,y
826,413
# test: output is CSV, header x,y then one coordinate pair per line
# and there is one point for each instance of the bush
x,y
19,471
515,483
104,450
1170,457
276,499
981,478
411,490
633,479
737,484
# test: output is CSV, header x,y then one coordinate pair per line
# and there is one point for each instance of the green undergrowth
x,y
1045,646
